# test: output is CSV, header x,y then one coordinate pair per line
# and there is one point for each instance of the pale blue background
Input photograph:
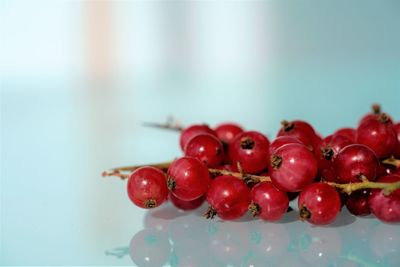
x,y
63,122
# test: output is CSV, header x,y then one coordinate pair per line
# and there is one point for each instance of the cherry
x,y
226,132
378,134
229,197
251,150
206,148
326,151
350,133
386,207
319,204
301,130
186,205
294,167
357,203
147,187
281,141
268,202
356,162
193,130
188,178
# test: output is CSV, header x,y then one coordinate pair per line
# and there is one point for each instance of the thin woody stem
x,y
392,161
170,125
388,188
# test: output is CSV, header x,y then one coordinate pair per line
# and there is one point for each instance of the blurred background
x,y
79,77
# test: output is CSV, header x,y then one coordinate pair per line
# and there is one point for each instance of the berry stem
x,y
388,188
392,161
169,124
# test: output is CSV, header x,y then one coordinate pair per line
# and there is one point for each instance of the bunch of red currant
x,y
237,171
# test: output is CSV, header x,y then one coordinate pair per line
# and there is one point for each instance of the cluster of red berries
x,y
237,171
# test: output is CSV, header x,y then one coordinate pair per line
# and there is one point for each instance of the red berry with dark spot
x,y
188,178
147,187
379,135
386,207
193,130
354,162
268,202
281,141
251,149
319,204
350,133
228,197
301,130
226,132
376,111
206,148
293,167
186,205
357,202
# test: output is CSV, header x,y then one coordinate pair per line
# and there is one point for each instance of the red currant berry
x,y
193,130
293,167
386,207
396,151
354,162
268,202
319,204
206,148
375,113
301,130
350,133
251,150
186,205
378,134
188,178
281,141
226,132
229,198
147,187
357,203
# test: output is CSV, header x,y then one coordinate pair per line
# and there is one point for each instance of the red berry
x,y
319,204
226,132
228,167
206,148
294,167
357,203
281,141
375,113
193,130
188,178
147,187
378,134
301,130
396,150
268,202
251,149
350,133
229,197
326,151
386,207
186,205
354,162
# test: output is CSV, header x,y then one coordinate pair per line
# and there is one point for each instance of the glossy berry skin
x,y
379,135
293,167
301,130
188,178
229,197
357,203
281,141
326,151
268,202
386,208
206,148
226,132
193,130
356,160
251,149
319,204
396,150
350,133
147,187
187,205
